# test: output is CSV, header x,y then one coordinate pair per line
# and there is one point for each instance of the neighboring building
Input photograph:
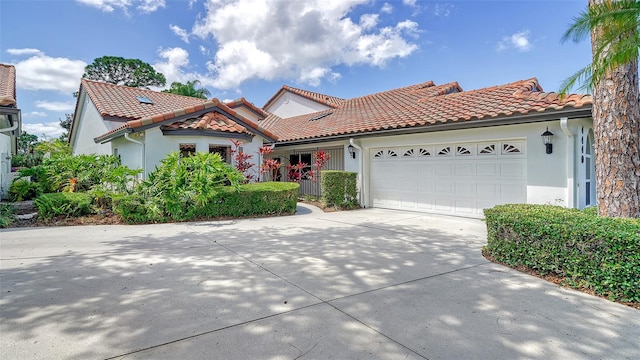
x,y
10,125
143,126
439,149
425,147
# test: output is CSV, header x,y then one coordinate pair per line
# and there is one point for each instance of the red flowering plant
x,y
299,171
241,160
269,166
296,172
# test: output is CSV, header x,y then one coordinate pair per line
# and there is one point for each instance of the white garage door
x,y
456,179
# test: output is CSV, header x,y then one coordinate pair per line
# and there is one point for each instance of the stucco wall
x,y
5,164
289,105
158,146
89,127
551,178
129,152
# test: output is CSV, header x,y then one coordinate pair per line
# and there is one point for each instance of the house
x,y
10,125
143,126
425,147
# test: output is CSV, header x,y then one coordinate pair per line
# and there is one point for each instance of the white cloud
x,y
26,51
182,33
33,114
387,8
303,40
55,105
369,21
409,2
442,10
49,130
519,41
149,6
42,72
174,64
145,6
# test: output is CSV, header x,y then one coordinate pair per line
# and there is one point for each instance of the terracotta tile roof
x,y
243,102
213,121
422,105
159,119
7,85
330,101
120,101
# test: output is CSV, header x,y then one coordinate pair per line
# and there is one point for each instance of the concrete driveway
x,y
368,284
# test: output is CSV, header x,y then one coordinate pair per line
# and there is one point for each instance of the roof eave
x,y
572,113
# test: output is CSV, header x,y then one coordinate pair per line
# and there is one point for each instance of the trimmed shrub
x,y
23,189
339,188
267,198
588,251
63,204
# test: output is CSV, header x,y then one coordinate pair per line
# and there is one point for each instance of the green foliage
x,y
63,204
188,89
589,251
26,160
6,215
121,71
618,44
339,188
22,189
26,142
268,198
54,148
80,173
66,125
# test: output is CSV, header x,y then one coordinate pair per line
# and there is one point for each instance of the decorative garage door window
x,y
486,149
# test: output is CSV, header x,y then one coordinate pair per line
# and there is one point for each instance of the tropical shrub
x,y
588,251
63,204
6,215
339,188
22,189
74,173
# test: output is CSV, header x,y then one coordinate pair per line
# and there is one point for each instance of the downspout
x,y
571,150
360,177
13,127
142,157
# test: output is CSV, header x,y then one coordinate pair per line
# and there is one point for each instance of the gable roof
x,y
7,85
422,105
115,102
190,112
243,102
327,100
211,121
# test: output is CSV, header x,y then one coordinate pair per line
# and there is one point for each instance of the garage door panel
x,y
444,169
488,190
465,189
456,182
488,169
465,169
444,187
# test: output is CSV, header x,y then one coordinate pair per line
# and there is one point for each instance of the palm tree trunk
x,y
616,125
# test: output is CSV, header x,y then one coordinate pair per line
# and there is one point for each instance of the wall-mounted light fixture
x,y
547,138
352,151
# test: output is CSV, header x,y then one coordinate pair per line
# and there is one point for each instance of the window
x,y
187,149
224,151
295,159
144,100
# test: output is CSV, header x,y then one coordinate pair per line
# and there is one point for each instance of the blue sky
x,y
251,48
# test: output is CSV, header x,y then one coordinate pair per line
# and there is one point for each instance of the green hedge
x,y
589,251
63,204
339,188
268,198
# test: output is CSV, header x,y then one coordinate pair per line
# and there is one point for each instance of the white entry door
x,y
456,179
